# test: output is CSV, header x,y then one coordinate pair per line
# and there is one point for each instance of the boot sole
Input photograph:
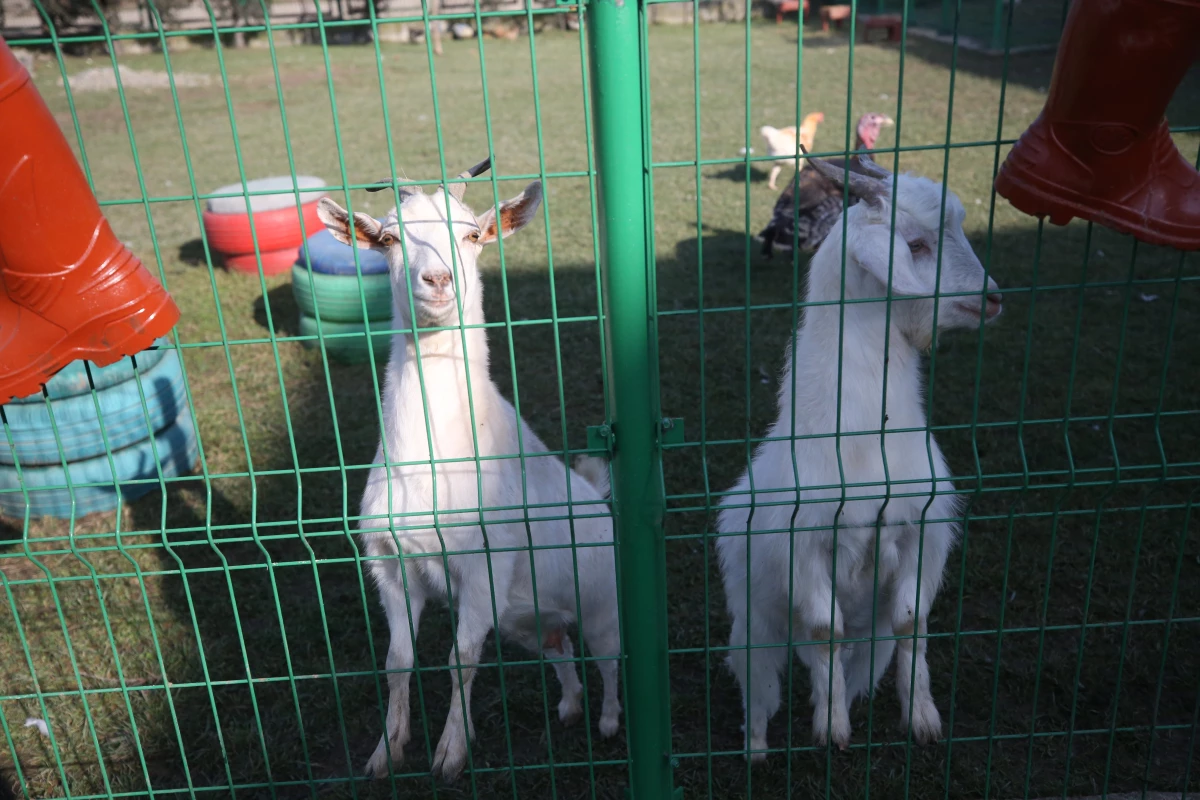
x,y
1060,206
102,341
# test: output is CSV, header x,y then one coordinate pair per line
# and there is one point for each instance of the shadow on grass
x,y
1057,537
285,314
191,253
1033,70
759,172
274,681
287,629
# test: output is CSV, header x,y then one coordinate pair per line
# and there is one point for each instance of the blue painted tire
x,y
338,295
72,379
49,497
324,254
78,424
348,349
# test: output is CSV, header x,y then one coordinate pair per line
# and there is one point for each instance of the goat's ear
x,y
366,229
871,245
513,215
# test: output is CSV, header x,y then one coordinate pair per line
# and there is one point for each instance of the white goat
x,y
809,485
448,415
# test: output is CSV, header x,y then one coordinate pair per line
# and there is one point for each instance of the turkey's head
x,y
868,129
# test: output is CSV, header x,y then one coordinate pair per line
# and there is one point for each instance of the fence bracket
x,y
602,437
670,430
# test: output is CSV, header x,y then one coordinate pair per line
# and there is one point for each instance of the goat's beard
x,y
444,319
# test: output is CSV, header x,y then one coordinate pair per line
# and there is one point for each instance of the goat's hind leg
x,y
604,642
570,707
757,670
399,606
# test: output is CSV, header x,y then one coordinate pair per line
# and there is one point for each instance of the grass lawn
x,y
1074,421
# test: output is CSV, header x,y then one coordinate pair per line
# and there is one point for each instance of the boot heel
x,y
1029,201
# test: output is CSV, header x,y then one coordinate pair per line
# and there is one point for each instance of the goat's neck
x,y
427,394
864,343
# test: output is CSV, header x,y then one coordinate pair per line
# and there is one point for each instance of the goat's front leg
x,y
909,613
399,607
473,591
816,607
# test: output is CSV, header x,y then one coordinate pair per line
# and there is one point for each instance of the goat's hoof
x,y
926,723
569,710
609,725
450,756
839,734
377,766
761,746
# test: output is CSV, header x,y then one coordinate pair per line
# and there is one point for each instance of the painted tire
x,y
279,229
72,379
285,196
273,262
79,426
176,448
337,296
347,349
325,254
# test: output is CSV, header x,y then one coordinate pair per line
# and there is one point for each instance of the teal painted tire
x,y
347,349
338,296
72,379
48,496
79,426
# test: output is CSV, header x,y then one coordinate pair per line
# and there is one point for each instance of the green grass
x,y
254,575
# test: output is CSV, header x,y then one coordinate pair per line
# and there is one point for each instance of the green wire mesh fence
x,y
221,638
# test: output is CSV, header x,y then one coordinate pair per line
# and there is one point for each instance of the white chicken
x,y
781,142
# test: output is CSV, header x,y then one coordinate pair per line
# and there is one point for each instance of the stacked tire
x,y
328,286
71,451
276,222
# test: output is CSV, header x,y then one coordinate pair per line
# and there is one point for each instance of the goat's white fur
x,y
451,416
761,568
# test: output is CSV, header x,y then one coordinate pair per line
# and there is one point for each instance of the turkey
x,y
782,142
820,201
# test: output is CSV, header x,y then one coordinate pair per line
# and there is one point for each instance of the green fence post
x,y
615,58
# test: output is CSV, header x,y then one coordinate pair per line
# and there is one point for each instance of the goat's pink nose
x,y
438,280
994,300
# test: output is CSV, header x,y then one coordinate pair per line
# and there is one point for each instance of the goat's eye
x,y
387,240
473,236
917,247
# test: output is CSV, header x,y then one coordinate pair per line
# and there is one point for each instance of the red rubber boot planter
x,y
1100,150
71,289
276,223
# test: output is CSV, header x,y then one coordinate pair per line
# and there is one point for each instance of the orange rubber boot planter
x,y
1100,149
71,289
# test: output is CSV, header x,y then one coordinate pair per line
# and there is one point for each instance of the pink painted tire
x,y
279,236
